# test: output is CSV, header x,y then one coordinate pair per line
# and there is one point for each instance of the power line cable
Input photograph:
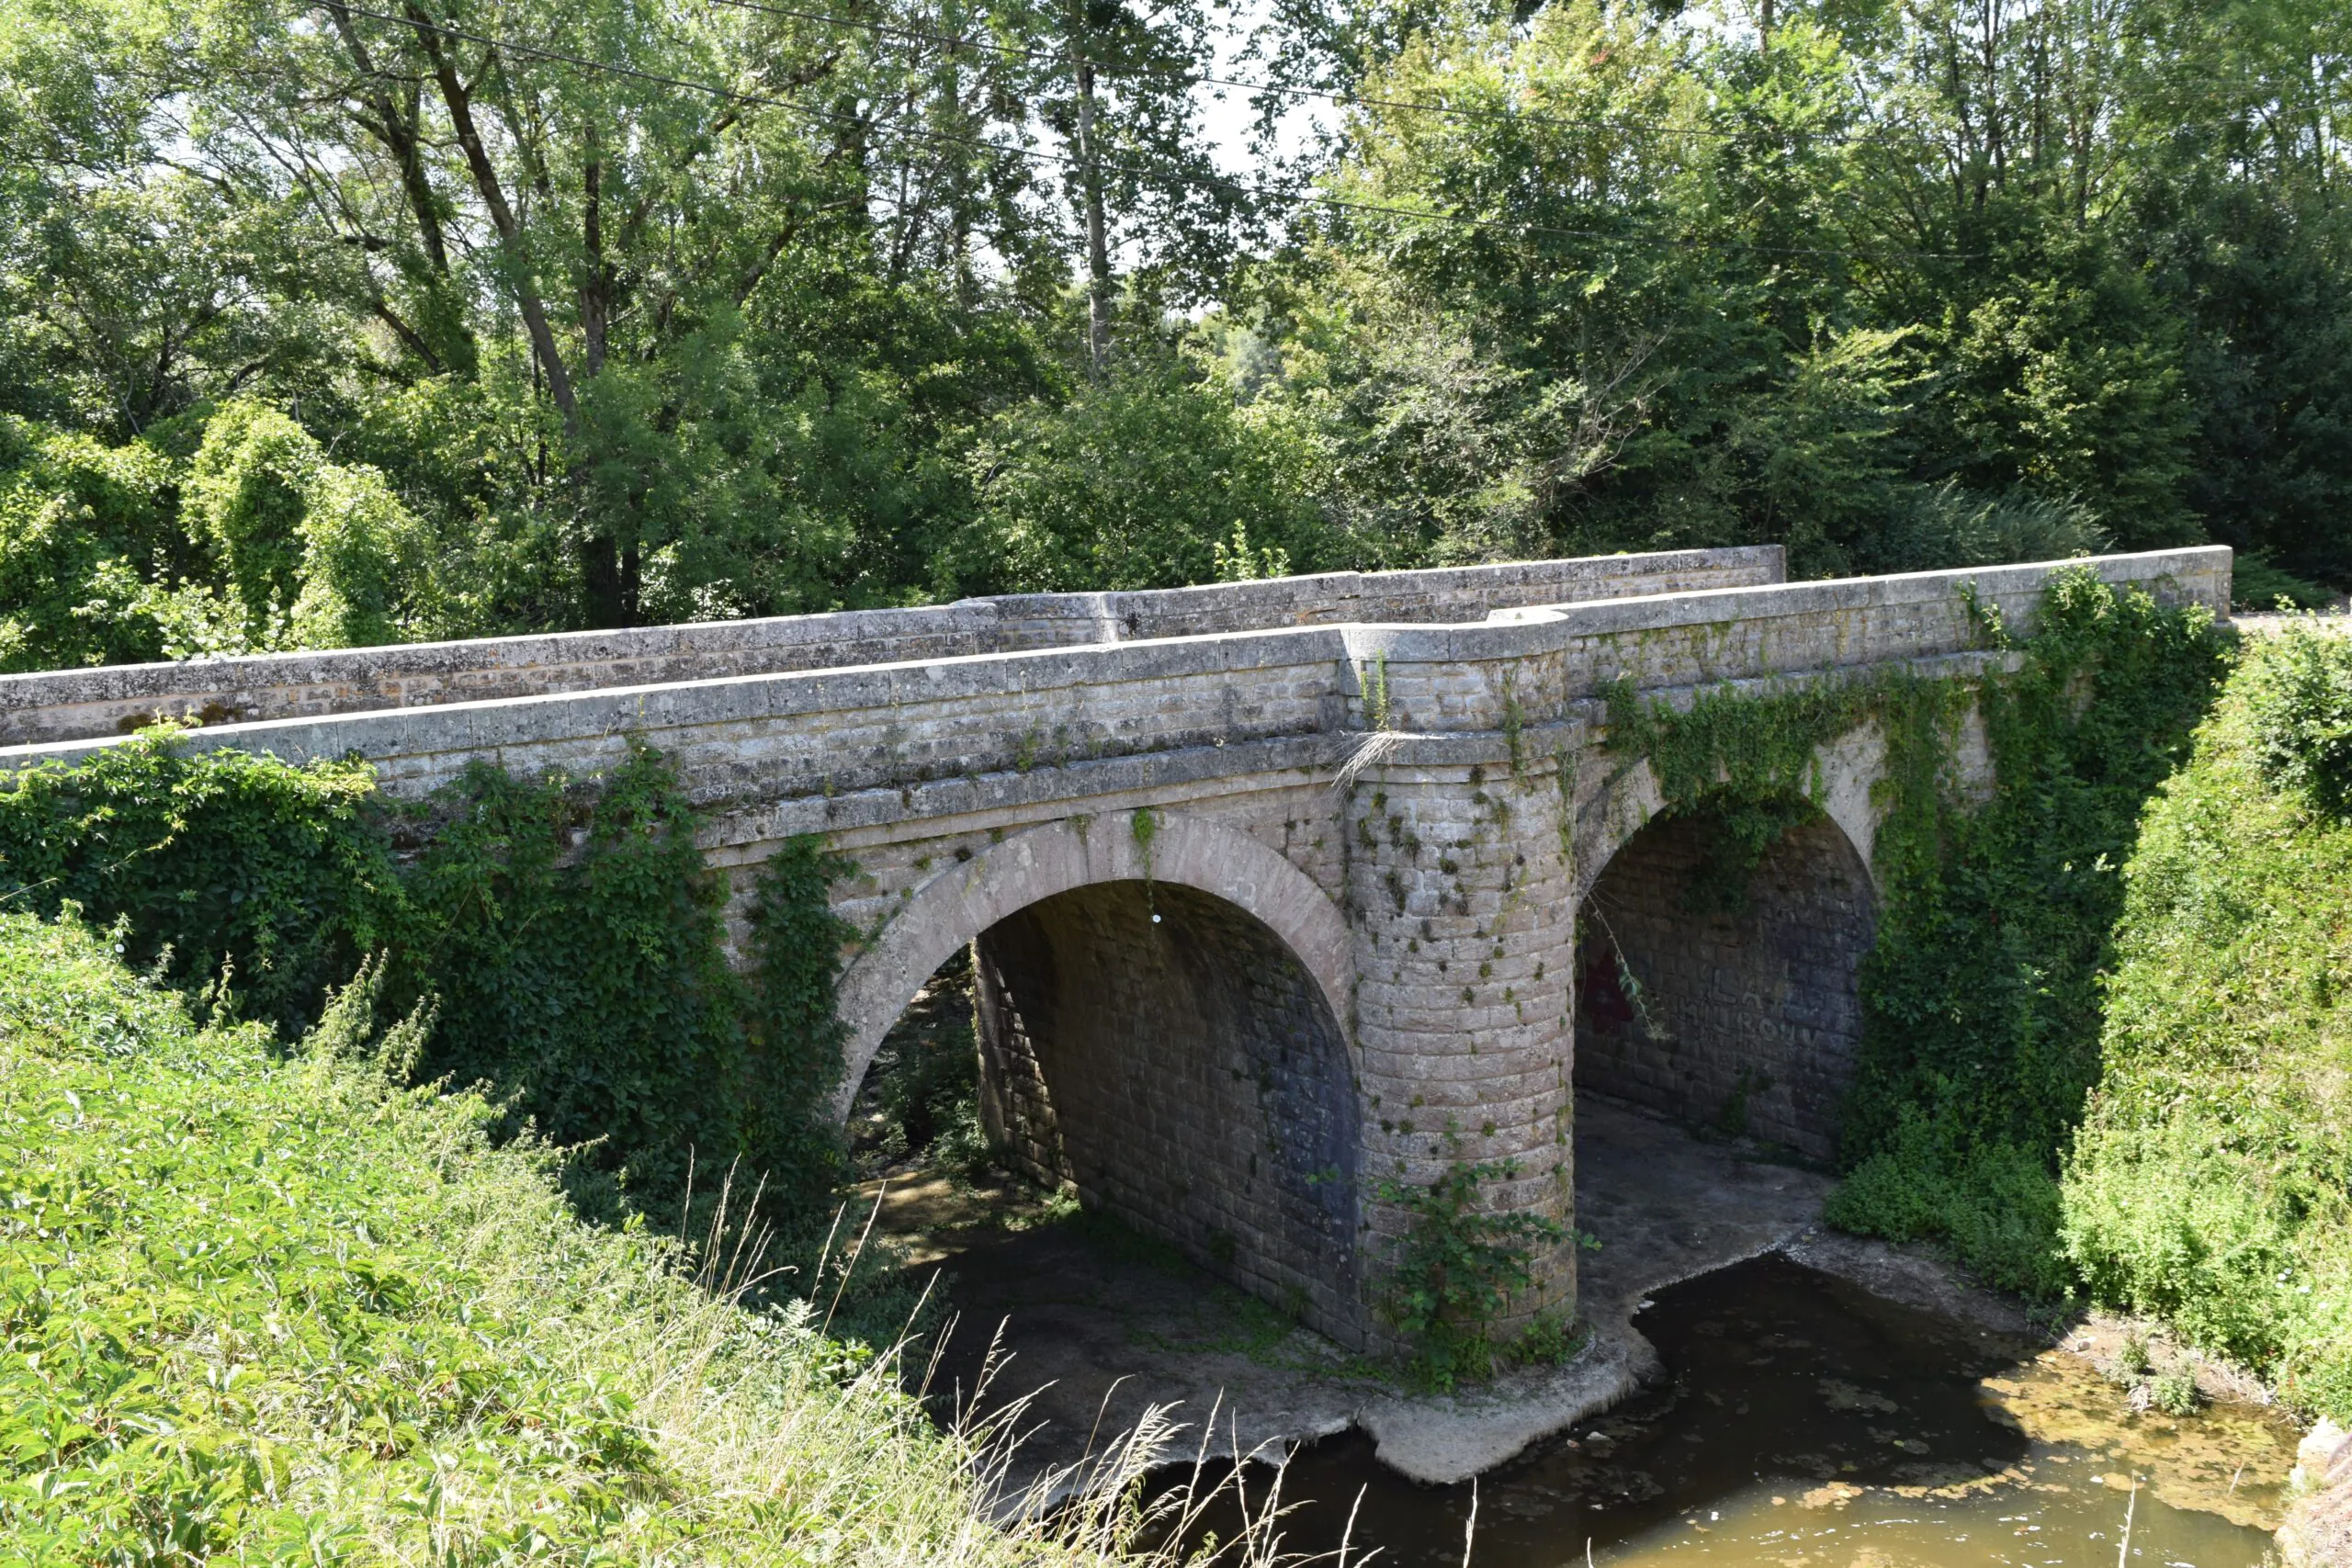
x,y
1887,133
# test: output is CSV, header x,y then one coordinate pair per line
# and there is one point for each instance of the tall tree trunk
x,y
1098,248
595,284
460,103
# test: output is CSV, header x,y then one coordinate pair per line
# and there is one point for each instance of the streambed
x,y
1805,1421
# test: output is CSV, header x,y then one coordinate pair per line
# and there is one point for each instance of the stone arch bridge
x,y
1273,885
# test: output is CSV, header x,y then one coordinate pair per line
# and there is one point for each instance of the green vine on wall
x,y
568,927
1744,764
1981,1002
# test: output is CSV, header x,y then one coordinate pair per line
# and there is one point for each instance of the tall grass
x,y
276,1308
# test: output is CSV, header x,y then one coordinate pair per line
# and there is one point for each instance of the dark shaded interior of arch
x,y
1187,1077
1739,1013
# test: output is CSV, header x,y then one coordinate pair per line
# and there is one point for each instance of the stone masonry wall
x,y
1540,663
823,738
1747,1018
1184,1075
81,703
1459,888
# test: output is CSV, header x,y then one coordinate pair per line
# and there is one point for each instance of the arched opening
x,y
1718,960
918,1103
1168,1056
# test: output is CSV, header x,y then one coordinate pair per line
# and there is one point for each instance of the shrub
x,y
1981,994
2210,1184
569,927
1139,482
1996,1203
81,524
217,861
2257,583
2299,703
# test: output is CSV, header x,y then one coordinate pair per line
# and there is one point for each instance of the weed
x,y
1456,1268
2175,1393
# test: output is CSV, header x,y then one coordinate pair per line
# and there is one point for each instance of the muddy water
x,y
1809,1423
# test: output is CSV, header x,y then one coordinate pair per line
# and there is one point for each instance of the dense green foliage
x,y
566,932
1982,994
920,1100
325,324
2211,1182
270,1308
1981,999
226,865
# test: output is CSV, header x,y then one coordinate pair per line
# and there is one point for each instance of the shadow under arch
x,y
1719,983
1170,1047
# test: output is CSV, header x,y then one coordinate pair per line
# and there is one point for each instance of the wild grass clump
x,y
275,1307
2211,1182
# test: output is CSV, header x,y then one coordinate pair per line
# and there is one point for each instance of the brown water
x,y
1809,1423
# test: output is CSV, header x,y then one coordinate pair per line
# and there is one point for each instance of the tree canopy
x,y
346,323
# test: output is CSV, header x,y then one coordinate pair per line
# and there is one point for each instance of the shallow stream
x,y
1806,1422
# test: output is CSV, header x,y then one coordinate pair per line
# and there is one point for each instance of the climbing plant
x,y
567,926
283,875
796,945
1741,767
1981,992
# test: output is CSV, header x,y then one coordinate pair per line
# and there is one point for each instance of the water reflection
x,y
1808,1422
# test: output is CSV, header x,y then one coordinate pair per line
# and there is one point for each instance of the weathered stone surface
x,y
1165,1053
2318,1529
1734,1009
70,705
1369,809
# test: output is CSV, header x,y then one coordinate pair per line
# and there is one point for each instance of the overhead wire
x,y
1161,178
1883,133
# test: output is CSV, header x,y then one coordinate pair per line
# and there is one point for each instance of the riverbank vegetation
x,y
2211,1182
273,1305
327,325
